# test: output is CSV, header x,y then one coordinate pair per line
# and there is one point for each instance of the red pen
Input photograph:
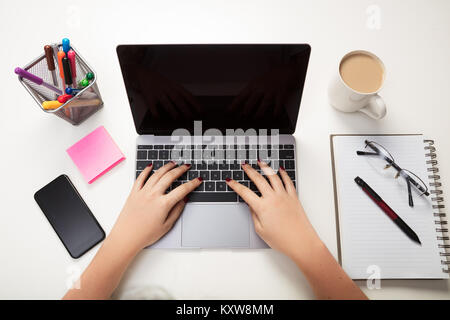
x,y
387,210
73,65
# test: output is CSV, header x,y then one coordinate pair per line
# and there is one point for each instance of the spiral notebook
x,y
370,244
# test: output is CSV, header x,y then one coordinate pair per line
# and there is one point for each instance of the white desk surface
x,y
412,40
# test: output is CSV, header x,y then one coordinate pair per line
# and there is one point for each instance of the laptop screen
x,y
246,86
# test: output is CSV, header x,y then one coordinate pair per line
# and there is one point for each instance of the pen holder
x,y
81,106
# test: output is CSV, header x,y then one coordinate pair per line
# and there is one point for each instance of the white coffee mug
x,y
346,99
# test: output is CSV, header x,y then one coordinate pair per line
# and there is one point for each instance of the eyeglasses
x,y
383,161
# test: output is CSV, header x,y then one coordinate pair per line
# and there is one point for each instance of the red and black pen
x,y
389,212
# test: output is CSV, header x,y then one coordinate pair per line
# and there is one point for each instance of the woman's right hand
x,y
278,215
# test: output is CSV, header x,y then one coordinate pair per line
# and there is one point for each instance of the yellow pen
x,y
51,105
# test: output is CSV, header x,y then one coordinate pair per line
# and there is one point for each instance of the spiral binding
x,y
438,199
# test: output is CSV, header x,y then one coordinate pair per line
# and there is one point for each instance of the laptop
x,y
214,106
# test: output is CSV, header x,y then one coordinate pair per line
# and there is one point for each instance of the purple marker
x,y
25,74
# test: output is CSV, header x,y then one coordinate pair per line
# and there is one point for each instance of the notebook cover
x,y
95,154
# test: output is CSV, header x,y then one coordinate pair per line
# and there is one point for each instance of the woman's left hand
x,y
150,212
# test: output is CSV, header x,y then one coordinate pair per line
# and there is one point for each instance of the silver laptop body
x,y
224,221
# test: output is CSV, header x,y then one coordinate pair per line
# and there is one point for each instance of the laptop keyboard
x,y
226,164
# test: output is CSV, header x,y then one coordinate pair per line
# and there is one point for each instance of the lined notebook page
x,y
367,236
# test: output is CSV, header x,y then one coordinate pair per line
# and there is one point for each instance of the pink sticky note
x,y
95,154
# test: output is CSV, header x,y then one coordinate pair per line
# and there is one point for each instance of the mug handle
x,y
375,108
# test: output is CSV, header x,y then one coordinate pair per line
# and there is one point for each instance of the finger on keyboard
x,y
170,176
158,173
245,193
183,190
258,179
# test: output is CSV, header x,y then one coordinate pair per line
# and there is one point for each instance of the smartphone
x,y
69,216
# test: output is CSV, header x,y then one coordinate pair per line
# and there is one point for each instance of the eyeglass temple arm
x,y
364,153
371,146
410,199
418,186
409,181
389,161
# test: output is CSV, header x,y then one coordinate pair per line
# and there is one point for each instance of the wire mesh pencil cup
x,y
77,109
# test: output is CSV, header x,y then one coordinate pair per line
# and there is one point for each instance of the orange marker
x,y
61,55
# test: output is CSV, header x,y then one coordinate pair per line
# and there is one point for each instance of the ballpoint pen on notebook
x,y
387,210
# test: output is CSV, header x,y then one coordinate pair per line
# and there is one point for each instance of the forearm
x,y
104,273
325,276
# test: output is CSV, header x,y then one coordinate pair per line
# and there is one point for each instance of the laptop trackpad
x,y
217,225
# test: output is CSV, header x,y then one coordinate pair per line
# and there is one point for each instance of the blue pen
x,y
66,45
72,91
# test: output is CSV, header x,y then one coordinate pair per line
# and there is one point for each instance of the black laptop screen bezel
x,y
169,131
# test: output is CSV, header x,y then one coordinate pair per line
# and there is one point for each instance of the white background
x,y
411,37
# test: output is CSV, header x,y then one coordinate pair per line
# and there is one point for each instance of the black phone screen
x,y
69,216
